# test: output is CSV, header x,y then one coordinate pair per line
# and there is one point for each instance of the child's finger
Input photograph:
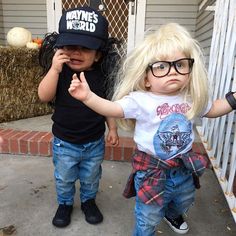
x,y
71,89
82,77
74,76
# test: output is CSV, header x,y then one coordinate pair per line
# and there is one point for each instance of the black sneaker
x,y
178,224
91,212
62,216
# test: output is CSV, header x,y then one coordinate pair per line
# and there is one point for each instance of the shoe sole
x,y
179,231
61,225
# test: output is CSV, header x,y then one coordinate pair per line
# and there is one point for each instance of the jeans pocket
x,y
57,142
57,149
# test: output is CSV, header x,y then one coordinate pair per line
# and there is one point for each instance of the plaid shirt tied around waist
x,y
152,188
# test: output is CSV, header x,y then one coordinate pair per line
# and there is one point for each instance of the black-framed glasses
x,y
162,68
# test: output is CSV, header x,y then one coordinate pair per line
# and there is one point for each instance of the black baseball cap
x,y
83,26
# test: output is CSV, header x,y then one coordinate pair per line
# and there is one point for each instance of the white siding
x,y
204,30
160,12
30,14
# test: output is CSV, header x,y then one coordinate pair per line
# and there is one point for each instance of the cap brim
x,y
65,39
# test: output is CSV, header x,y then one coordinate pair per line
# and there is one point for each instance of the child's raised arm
x,y
80,90
48,86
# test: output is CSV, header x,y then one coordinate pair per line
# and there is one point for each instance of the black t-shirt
x,y
73,121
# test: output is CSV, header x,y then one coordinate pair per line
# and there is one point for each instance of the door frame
x,y
54,10
136,23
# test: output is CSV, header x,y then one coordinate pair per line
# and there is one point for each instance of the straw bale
x,y
20,75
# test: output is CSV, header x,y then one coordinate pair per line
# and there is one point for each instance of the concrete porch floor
x,y
28,199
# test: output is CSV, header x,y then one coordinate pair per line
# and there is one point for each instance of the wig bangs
x,y
167,42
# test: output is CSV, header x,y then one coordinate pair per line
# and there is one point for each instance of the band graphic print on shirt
x,y
172,136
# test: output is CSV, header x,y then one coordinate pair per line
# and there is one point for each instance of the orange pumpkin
x,y
37,40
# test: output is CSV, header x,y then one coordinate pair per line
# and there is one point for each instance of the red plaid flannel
x,y
153,185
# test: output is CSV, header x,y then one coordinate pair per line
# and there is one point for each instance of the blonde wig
x,y
159,45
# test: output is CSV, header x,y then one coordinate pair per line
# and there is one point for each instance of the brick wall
x,y
40,144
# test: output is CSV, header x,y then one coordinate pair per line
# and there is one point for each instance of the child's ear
x,y
146,83
97,56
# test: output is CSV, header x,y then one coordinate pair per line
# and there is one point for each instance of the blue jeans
x,y
178,197
77,161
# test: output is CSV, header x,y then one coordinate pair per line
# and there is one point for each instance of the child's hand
x,y
79,88
58,60
112,137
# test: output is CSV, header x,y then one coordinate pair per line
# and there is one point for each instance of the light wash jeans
x,y
178,197
77,161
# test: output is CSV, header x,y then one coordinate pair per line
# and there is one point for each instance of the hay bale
x,y
20,75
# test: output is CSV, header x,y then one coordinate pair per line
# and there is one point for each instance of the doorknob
x,y
97,4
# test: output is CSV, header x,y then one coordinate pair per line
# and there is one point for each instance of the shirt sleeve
x,y
130,107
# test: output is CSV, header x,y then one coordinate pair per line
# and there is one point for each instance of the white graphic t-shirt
x,y
161,126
